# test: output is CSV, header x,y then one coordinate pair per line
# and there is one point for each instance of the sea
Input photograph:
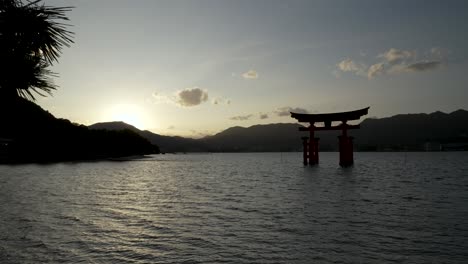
x,y
238,208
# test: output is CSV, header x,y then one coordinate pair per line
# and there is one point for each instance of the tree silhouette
x,y
31,40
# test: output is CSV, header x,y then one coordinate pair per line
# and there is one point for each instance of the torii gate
x,y
310,144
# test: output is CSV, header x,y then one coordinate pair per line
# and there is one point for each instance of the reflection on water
x,y
238,208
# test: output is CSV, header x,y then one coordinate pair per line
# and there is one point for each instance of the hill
x,y
411,131
117,125
165,143
257,138
400,132
30,134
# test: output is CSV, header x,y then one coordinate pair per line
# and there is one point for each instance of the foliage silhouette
x,y
31,39
37,136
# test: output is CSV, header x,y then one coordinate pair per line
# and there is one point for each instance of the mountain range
x,y
400,132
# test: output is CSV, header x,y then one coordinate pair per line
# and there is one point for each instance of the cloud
x,y
171,127
192,96
250,75
419,66
263,116
395,61
158,98
348,65
393,55
285,111
423,66
241,117
220,100
374,70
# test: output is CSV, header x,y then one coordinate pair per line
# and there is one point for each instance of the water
x,y
238,208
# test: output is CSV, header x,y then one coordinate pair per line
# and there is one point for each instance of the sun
x,y
128,113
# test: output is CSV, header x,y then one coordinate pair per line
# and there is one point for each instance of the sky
x,y
196,67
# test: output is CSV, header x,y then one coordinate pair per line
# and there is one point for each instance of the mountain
x,y
400,132
258,138
118,125
411,131
165,143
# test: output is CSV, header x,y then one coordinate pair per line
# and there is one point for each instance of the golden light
x,y
128,113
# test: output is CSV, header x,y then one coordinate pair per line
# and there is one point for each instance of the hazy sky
x,y
197,67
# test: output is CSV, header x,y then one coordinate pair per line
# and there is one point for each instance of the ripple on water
x,y
238,208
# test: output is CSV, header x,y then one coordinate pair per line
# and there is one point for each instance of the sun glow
x,y
128,113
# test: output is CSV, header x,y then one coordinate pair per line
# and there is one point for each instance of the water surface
x,y
238,208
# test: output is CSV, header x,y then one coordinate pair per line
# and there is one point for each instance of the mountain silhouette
x,y
411,131
165,143
399,132
117,125
28,133
258,138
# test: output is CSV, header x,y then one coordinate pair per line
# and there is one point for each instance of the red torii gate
x,y
310,144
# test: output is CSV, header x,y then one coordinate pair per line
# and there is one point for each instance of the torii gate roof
x,y
329,117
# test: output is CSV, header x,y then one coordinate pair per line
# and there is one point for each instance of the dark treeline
x,y
30,134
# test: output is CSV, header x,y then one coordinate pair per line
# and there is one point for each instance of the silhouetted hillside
x,y
400,132
116,125
259,138
165,143
30,134
411,131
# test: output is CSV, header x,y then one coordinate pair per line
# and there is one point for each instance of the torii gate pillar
x,y
346,148
305,143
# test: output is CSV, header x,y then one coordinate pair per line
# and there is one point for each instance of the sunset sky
x,y
197,67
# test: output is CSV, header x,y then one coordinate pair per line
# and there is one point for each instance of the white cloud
x,y
251,74
263,116
192,96
348,65
394,61
374,70
393,55
286,111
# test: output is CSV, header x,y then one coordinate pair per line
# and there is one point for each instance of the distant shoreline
x,y
90,160
144,157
